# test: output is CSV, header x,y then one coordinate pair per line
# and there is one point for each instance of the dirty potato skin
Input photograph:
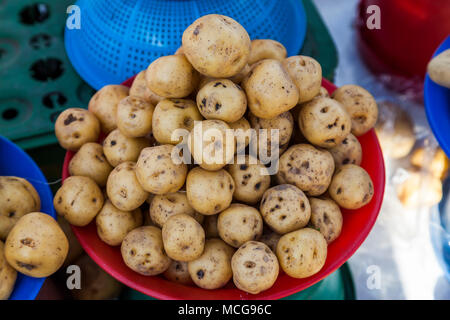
x,y
270,90
124,189
302,253
266,49
143,251
90,161
172,77
212,270
326,217
75,127
118,148
156,171
140,89
36,245
351,187
114,224
209,192
103,105
255,267
307,168
349,151
183,238
285,208
78,200
134,117
360,105
7,275
217,46
178,272
164,206
17,198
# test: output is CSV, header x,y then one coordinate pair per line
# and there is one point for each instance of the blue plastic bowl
x,y
15,162
437,106
117,39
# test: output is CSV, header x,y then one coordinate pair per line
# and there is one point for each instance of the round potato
x,y
118,148
212,270
217,46
140,89
222,99
36,245
143,251
266,49
157,172
172,77
170,115
308,168
75,127
349,151
351,187
252,179
7,274
439,69
209,192
78,200
238,224
124,189
103,105
360,105
183,238
90,161
270,238
241,133
114,224
17,198
270,90
324,122
178,272
210,226
306,73
326,217
255,267
134,117
285,208
302,253
164,206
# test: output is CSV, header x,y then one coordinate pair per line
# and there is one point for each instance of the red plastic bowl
x,y
357,225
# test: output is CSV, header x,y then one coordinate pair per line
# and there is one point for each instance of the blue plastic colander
x,y
119,38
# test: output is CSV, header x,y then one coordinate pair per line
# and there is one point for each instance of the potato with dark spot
x,y
251,177
217,46
285,208
157,172
7,275
360,105
173,114
302,253
324,122
351,187
326,217
164,206
75,127
209,192
134,117
140,89
238,224
241,133
143,251
104,104
266,49
114,224
210,226
212,270
90,161
183,238
178,272
349,151
255,267
172,77
118,148
306,73
222,99
308,168
270,238
78,200
270,90
36,245
17,198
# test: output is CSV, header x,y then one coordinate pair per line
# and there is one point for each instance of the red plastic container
x,y
357,225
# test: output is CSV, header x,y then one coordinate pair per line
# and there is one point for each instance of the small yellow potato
x,y
439,69
7,275
266,49
178,272
134,117
118,148
140,89
326,217
349,151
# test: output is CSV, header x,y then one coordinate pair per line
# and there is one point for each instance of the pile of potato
x,y
222,219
